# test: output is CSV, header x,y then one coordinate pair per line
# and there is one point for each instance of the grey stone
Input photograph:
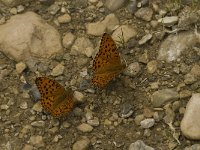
x,y
162,96
144,13
114,4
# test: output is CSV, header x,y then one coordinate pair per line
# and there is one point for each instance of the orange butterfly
x,y
54,98
107,63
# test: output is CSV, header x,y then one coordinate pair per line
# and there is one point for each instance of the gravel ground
x,y
145,105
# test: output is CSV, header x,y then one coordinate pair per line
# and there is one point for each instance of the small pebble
x,y
147,123
58,70
20,67
4,107
23,105
79,97
20,8
38,124
82,144
85,127
64,18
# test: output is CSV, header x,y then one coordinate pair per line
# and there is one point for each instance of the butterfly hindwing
x,y
63,108
101,80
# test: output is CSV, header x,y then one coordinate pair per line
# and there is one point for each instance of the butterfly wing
x,y
107,55
53,95
48,87
65,106
107,63
101,80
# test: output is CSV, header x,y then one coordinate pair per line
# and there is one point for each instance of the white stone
x,y
79,96
13,11
20,67
145,39
107,25
58,70
93,1
111,22
37,107
152,66
172,47
96,28
81,46
190,124
139,145
133,69
147,123
64,18
68,40
27,35
169,21
37,141
128,33
23,105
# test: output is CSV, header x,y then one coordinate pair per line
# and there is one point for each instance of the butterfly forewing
x,y
48,87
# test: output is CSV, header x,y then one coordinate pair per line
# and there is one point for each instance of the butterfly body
x,y
107,63
54,98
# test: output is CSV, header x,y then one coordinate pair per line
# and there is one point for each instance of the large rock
x,y
107,25
27,35
190,124
175,44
